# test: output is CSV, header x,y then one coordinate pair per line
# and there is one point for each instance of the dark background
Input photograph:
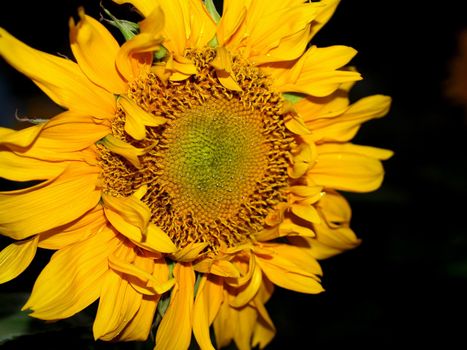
x,y
407,282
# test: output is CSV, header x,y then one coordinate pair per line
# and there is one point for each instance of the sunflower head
x,y
196,166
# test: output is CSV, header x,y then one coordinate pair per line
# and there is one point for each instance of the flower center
x,y
218,167
214,156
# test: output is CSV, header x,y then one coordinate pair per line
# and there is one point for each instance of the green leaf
x,y
212,10
293,97
127,28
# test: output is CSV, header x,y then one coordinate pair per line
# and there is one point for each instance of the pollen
x,y
218,167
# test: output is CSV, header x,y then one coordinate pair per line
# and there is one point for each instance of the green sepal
x,y
293,97
127,28
212,10
160,54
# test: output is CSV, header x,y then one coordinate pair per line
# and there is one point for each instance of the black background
x,y
407,282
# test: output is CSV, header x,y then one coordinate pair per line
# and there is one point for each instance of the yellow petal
x,y
154,22
246,294
206,306
17,168
289,227
335,208
16,257
124,149
348,167
140,325
179,314
152,282
295,124
246,319
49,204
217,267
118,304
135,55
68,136
223,65
95,49
264,330
289,267
177,30
317,72
233,16
342,128
137,119
225,323
78,230
306,212
203,28
64,135
302,161
190,252
20,138
326,9
61,79
73,278
130,216
272,27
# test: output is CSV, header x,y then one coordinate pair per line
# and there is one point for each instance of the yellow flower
x,y
195,167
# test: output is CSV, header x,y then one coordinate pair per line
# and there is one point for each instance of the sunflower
x,y
195,167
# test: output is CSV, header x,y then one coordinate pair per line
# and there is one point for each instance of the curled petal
x,y
89,39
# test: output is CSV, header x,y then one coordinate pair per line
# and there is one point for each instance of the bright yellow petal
x,y
264,330
223,65
95,49
135,55
19,138
203,27
218,267
50,204
61,139
326,9
225,323
190,252
60,78
245,326
290,227
335,208
177,28
290,267
342,128
179,314
233,16
348,167
137,119
317,72
140,325
247,293
154,284
73,278
129,152
302,160
64,135
78,230
306,211
118,304
16,257
207,304
17,168
130,216
273,27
